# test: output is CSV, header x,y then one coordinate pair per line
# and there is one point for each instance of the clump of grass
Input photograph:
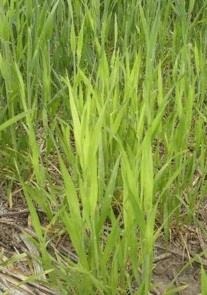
x,y
115,93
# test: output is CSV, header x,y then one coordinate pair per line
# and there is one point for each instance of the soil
x,y
177,262
10,220
173,272
14,227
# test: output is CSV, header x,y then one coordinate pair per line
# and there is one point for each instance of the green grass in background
x,y
103,125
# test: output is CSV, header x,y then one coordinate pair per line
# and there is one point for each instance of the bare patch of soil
x,y
178,261
173,271
12,220
14,226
